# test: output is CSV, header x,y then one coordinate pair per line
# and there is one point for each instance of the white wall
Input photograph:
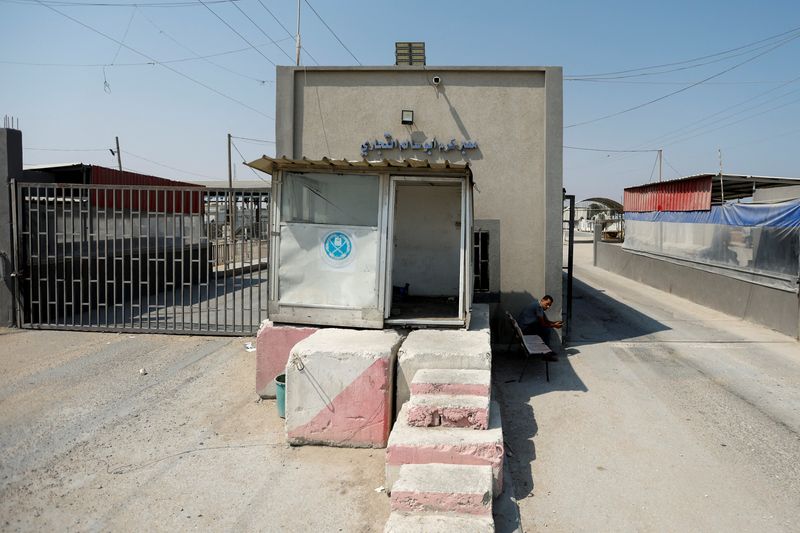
x,y
427,239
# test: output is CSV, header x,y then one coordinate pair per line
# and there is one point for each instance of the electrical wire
x,y
652,170
303,49
262,31
673,93
126,152
60,3
245,161
223,67
242,37
171,69
67,149
770,38
265,141
136,64
677,172
332,32
604,149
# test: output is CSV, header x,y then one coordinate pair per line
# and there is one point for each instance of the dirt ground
x,y
89,443
664,416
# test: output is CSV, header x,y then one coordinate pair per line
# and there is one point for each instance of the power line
x,y
67,149
223,67
604,150
332,32
171,69
291,36
253,140
137,64
262,31
678,172
242,37
770,38
126,152
687,128
60,3
673,93
245,161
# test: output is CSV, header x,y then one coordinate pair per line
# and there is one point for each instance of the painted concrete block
x,y
443,488
452,381
437,523
415,445
454,411
339,386
273,344
432,348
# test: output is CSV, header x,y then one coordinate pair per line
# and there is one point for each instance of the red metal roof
x,y
692,194
146,199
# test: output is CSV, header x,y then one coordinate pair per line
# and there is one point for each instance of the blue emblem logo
x,y
337,246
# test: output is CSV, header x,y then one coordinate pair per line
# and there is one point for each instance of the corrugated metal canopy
x,y
698,192
270,165
613,205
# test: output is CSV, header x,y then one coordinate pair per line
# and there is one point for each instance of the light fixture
x,y
407,116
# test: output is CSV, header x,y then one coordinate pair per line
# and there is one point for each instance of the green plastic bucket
x,y
280,394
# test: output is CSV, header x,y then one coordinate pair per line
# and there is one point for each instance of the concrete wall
x,y
776,309
515,114
427,243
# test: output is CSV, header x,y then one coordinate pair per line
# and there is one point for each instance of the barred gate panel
x,y
142,258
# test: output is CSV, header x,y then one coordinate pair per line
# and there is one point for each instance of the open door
x,y
428,277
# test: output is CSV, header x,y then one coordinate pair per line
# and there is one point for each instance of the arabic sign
x,y
390,143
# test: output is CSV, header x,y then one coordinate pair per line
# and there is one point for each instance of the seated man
x,y
533,320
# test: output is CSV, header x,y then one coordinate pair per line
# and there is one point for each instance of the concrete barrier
x,y
339,386
466,446
440,349
273,344
452,381
448,410
437,523
443,488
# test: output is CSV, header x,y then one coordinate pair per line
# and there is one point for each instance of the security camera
x,y
436,80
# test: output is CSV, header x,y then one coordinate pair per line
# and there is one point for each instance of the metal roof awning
x,y
698,192
269,165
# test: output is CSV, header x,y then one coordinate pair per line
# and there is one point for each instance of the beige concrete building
x,y
506,122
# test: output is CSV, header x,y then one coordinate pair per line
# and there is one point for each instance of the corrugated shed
x,y
145,199
678,195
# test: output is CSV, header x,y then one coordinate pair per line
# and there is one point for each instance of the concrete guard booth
x,y
369,244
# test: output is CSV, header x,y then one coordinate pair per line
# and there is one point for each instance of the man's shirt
x,y
530,315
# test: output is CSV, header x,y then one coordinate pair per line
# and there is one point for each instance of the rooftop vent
x,y
412,54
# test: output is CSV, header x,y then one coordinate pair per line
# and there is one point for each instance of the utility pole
x,y
119,156
231,215
297,36
660,163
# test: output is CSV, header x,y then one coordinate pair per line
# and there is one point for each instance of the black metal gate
x,y
141,258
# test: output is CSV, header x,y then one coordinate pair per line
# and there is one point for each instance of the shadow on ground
x,y
597,318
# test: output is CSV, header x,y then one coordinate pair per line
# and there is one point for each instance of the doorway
x,y
426,252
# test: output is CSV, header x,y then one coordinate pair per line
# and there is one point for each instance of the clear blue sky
x,y
60,98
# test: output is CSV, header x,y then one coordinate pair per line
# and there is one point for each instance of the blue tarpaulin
x,y
779,215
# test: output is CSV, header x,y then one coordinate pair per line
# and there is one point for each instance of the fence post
x,y
10,169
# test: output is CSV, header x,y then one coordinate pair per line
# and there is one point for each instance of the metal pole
x,y
119,156
660,164
297,36
570,249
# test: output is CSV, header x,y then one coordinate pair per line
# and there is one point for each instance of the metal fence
x,y
141,258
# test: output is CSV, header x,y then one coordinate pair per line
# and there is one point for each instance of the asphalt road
x,y
665,416
90,444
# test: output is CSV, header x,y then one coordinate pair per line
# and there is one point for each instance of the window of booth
x,y
329,240
337,199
